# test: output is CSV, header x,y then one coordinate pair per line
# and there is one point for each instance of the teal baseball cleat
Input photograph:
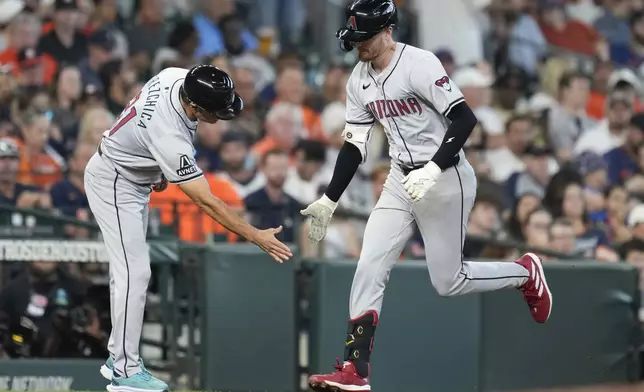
x,y
142,381
107,369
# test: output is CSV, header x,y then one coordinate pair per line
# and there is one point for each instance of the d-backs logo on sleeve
x,y
444,83
186,166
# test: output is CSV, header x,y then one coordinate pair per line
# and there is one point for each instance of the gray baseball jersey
x,y
153,135
410,99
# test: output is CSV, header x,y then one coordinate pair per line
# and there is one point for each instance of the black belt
x,y
100,152
406,170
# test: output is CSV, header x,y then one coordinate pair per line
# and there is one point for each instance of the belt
x,y
406,170
100,152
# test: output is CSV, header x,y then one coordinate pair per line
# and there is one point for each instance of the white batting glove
x,y
320,212
418,182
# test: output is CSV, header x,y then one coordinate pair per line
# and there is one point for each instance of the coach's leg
x,y
442,219
118,208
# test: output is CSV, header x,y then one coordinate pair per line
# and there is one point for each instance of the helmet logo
x,y
352,23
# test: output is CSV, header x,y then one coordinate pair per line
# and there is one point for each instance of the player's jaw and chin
x,y
374,47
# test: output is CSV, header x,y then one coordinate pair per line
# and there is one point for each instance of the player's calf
x,y
353,374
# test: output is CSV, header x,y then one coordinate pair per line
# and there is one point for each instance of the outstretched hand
x,y
266,240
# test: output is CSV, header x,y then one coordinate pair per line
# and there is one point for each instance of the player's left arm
x,y
431,83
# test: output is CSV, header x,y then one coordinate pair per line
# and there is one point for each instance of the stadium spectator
x,y
237,167
631,54
22,32
636,222
594,176
32,68
613,25
563,32
12,191
40,165
93,124
520,210
100,45
304,180
117,79
562,236
291,88
180,49
284,127
508,157
526,44
568,120
68,195
147,34
271,206
66,93
535,229
250,119
484,221
105,16
211,40
65,43
622,161
611,132
207,142
534,178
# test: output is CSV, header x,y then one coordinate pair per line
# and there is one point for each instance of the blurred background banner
x,y
558,90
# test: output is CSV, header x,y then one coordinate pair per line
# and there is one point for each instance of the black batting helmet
x,y
212,90
365,19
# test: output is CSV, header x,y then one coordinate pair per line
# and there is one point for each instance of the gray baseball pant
x,y
121,210
442,217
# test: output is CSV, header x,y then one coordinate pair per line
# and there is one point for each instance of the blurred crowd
x,y
559,148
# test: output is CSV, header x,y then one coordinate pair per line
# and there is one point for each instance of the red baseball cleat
x,y
535,290
345,379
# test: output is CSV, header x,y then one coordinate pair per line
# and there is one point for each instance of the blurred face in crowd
x,y
24,35
209,134
97,127
518,135
152,11
617,202
537,166
535,230
41,101
635,136
576,94
370,49
99,55
222,63
484,216
33,75
9,167
232,33
219,8
291,86
597,179
638,231
82,155
476,96
69,83
562,237
554,16
233,155
67,19
7,85
638,30
334,84
306,169
245,85
42,269
275,168
36,134
601,76
284,129
379,177
573,202
619,114
525,205
107,10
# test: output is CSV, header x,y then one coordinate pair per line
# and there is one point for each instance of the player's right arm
x,y
174,154
199,191
359,124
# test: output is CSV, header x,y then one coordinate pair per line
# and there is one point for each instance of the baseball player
x,y
151,144
427,121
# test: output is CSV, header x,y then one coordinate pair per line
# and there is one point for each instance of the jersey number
x,y
128,113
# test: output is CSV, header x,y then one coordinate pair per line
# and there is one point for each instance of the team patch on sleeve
x,y
186,166
444,83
